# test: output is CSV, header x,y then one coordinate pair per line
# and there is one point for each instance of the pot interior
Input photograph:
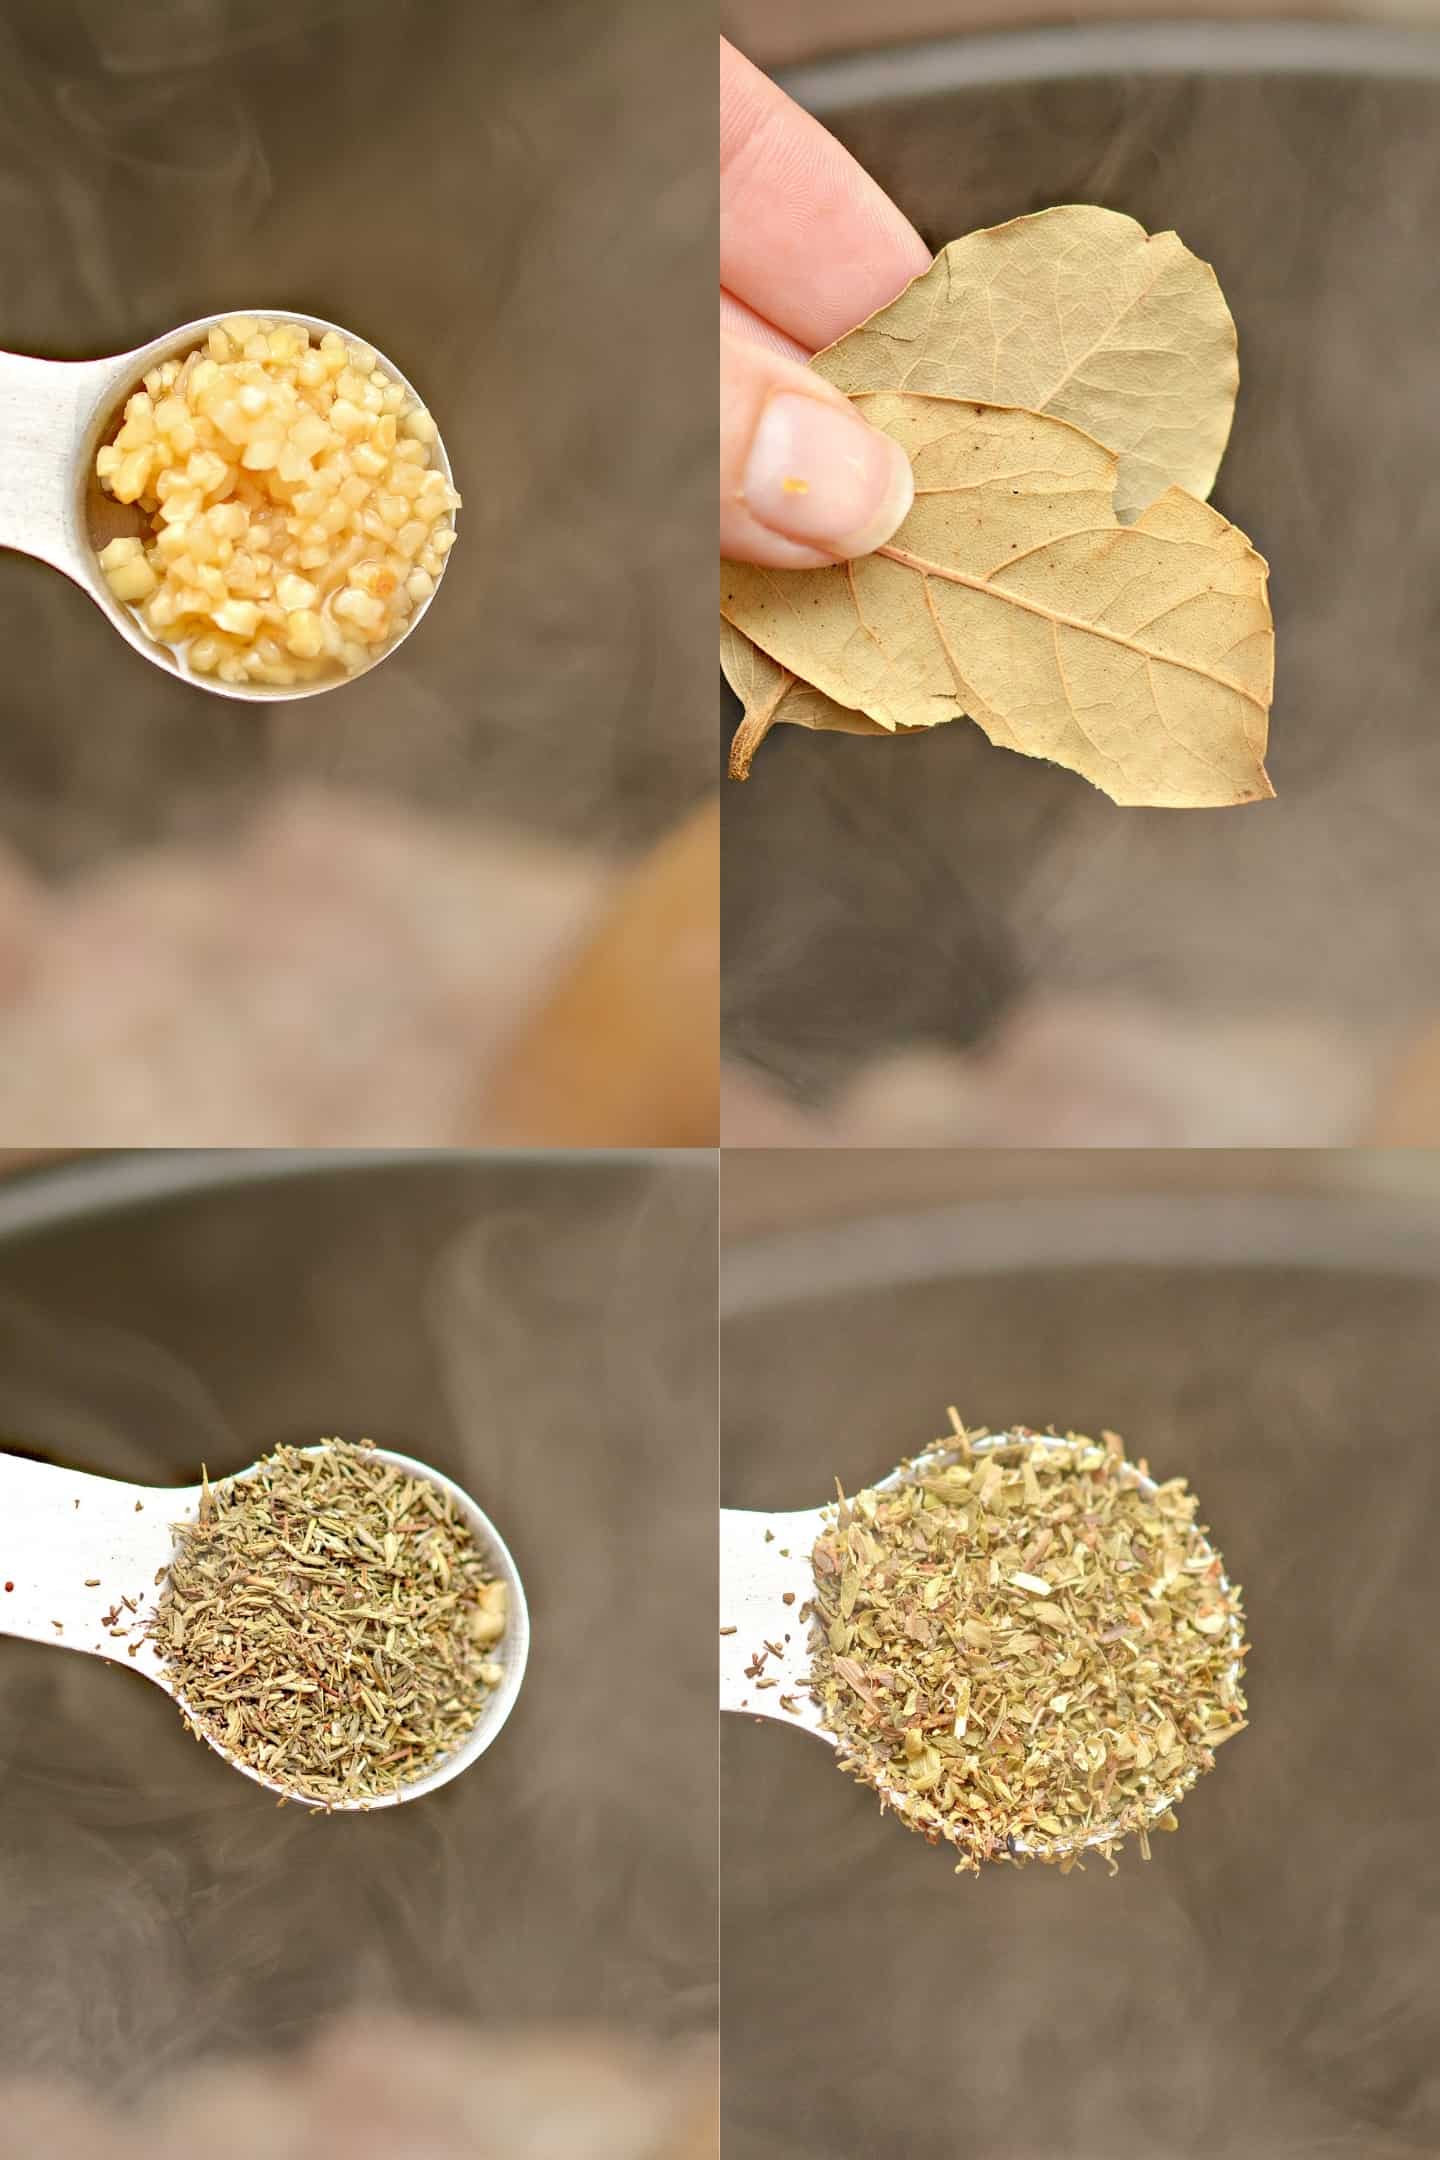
x,y
1263,1984
931,889
539,1330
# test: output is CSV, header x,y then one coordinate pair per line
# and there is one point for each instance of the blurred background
x,y
930,942
176,1949
1267,1326
349,922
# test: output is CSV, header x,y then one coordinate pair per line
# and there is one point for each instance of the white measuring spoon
x,y
73,1547
54,415
766,1558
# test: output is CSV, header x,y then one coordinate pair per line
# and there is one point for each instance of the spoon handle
x,y
47,410
72,1547
764,1559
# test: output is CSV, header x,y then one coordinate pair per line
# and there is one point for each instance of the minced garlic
x,y
294,519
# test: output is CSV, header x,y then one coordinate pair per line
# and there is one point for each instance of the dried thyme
x,y
1025,1645
329,1621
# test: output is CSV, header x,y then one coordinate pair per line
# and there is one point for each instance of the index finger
x,y
807,239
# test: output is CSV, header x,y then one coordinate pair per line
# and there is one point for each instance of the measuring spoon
x,y
54,415
73,1546
766,1558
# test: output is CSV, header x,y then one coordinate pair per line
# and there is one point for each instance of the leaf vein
x,y
1060,615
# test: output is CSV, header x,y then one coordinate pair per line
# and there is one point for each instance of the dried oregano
x,y
1027,1646
328,1620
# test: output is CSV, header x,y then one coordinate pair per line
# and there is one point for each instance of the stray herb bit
x,y
330,1621
1027,1646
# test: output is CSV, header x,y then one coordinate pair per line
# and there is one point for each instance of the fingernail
x,y
820,476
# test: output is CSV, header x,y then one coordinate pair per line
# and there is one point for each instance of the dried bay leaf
x,y
770,693
1139,656
1077,312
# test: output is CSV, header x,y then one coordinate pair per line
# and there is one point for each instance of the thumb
x,y
804,481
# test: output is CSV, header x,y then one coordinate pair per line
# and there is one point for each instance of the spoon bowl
x,y
765,1561
81,1556
54,415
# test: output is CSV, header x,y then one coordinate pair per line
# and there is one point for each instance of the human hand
x,y
809,246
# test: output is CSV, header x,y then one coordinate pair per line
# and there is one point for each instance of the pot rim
x,y
1386,1234
1356,51
53,1194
